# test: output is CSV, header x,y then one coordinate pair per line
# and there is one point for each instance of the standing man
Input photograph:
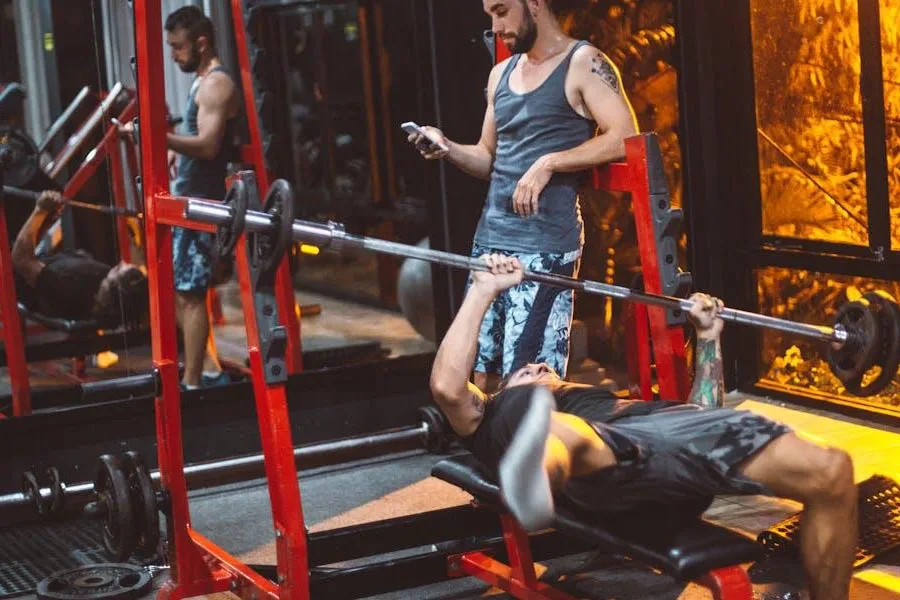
x,y
554,109
209,116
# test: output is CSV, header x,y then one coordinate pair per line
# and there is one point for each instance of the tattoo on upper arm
x,y
601,66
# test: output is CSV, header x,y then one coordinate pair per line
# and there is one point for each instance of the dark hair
x,y
195,22
505,381
125,303
558,7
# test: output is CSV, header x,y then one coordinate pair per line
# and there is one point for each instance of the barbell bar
x,y
109,210
333,236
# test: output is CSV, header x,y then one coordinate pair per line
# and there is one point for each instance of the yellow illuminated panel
x,y
809,117
890,63
800,364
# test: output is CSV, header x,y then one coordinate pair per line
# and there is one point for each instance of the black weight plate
x,y
437,439
106,581
24,165
32,490
270,248
228,234
859,353
888,357
111,487
143,499
57,491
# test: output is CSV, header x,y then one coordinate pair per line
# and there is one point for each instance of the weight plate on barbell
x,y
31,489
112,489
888,356
24,163
57,491
859,353
269,249
105,581
143,501
228,233
436,440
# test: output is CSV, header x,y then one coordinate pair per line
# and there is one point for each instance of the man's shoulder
x,y
218,82
586,54
497,69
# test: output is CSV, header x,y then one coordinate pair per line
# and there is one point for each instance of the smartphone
x,y
410,127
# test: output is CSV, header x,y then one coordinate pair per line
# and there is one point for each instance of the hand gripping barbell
x,y
108,210
865,332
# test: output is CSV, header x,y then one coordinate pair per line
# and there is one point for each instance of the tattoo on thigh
x,y
601,66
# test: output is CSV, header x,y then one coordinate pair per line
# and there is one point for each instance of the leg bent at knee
x,y
831,476
799,469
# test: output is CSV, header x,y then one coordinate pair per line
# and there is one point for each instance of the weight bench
x,y
56,324
66,338
684,547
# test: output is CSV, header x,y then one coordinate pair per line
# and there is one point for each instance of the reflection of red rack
x,y
199,565
284,285
665,343
108,148
11,332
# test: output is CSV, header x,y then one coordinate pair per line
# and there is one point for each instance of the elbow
x,y
19,258
209,152
625,132
438,388
444,392
209,149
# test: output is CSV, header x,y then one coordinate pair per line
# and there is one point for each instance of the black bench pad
x,y
66,325
679,543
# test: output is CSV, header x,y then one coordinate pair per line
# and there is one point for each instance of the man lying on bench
x,y
72,285
543,436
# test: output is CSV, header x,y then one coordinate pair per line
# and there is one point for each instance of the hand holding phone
x,y
430,143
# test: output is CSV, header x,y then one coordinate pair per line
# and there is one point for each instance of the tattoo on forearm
x,y
709,387
601,66
478,403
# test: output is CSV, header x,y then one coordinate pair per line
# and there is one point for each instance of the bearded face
x,y
524,37
185,52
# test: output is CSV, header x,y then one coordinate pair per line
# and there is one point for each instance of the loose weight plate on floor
x,y
30,553
109,581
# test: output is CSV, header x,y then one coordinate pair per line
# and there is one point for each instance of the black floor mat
x,y
879,523
30,553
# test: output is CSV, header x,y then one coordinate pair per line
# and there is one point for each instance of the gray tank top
x,y
198,177
529,126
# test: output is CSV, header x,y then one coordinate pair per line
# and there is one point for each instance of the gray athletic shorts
x,y
678,456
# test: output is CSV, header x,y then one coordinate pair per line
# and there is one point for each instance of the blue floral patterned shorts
x,y
191,257
529,323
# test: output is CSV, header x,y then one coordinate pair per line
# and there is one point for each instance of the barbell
x,y
107,210
865,332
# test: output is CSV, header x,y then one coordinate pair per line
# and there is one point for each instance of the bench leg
x,y
518,578
79,366
729,583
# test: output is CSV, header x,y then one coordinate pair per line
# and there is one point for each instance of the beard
x,y
525,37
193,62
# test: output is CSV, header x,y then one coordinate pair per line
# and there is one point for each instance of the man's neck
x,y
549,43
207,64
